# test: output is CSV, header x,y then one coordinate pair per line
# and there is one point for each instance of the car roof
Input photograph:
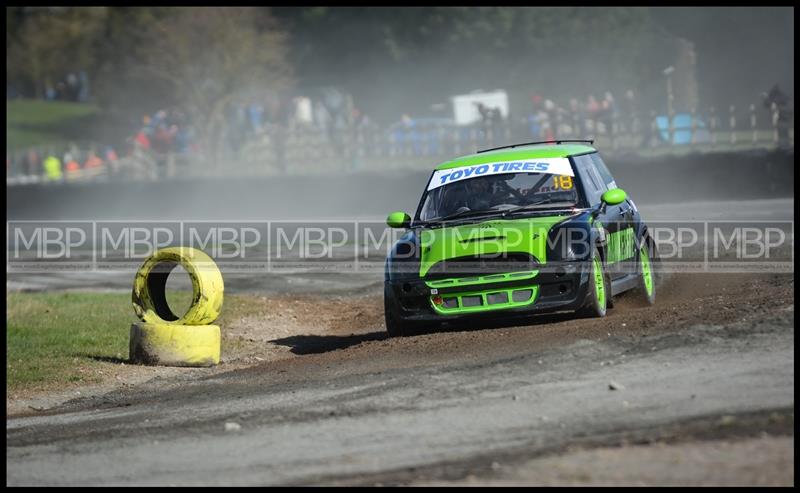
x,y
533,151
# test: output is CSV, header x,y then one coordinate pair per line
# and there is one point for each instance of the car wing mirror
x,y
610,197
614,196
398,219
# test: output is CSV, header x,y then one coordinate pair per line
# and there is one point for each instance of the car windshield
x,y
498,193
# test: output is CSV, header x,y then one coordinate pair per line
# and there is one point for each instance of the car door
x,y
626,240
616,220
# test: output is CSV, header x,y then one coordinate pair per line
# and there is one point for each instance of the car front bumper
x,y
556,287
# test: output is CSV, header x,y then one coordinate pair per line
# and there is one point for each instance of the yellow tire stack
x,y
162,337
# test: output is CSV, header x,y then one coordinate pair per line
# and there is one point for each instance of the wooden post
x,y
655,134
775,117
425,137
753,122
713,126
669,128
613,131
733,124
361,141
473,136
376,142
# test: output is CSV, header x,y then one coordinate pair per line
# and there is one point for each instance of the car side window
x,y
602,169
590,179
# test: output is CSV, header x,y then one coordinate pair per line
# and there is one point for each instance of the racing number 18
x,y
563,182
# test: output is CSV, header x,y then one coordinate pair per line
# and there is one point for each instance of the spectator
x,y
548,120
71,166
61,91
334,102
629,111
575,117
236,119
322,118
534,120
110,156
92,160
141,140
486,122
496,122
83,94
279,116
159,118
72,87
255,115
93,166
183,139
302,114
607,112
592,110
484,112
162,141
32,162
782,104
592,106
536,102
52,167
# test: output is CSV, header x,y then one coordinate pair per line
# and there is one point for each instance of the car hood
x,y
525,235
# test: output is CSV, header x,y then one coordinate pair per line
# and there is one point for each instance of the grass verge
x,y
68,338
47,123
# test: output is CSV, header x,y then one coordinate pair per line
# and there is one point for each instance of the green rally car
x,y
513,231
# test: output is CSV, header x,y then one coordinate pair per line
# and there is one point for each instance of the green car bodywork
x,y
527,235
417,295
527,153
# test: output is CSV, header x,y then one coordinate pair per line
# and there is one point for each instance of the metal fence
x,y
308,150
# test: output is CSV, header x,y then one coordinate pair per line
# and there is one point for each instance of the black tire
x,y
598,295
394,326
645,291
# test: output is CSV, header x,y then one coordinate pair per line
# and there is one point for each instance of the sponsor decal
x,y
553,166
621,245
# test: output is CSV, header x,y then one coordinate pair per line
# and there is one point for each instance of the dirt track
x,y
348,406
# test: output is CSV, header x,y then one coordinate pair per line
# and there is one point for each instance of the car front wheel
x,y
393,322
598,294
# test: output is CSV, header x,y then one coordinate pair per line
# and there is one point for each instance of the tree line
x,y
394,60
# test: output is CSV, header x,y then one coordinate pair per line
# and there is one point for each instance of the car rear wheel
x,y
646,288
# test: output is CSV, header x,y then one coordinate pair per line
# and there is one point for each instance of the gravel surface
x,y
379,407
